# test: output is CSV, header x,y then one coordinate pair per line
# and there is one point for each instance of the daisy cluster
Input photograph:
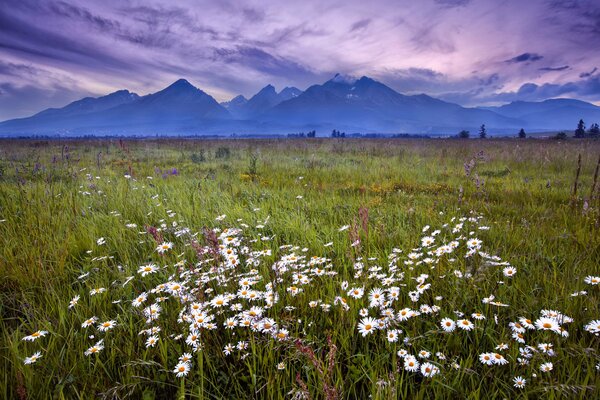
x,y
241,289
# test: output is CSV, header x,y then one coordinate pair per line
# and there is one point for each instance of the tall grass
x,y
58,198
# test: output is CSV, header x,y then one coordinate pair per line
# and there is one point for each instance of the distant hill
x,y
344,103
550,114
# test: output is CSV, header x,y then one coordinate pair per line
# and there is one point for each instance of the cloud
x,y
550,69
584,89
588,74
360,24
472,51
453,3
525,57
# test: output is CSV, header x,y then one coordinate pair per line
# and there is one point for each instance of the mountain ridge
x,y
354,104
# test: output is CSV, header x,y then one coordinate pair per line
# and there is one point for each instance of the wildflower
x,y
546,367
427,241
98,347
35,335
101,241
73,302
499,359
402,353
424,354
465,324
526,323
181,369
147,269
138,301
281,366
448,325
592,280
219,301
411,364
478,316
282,334
343,228
593,327
429,370
356,293
486,358
502,346
392,336
96,291
108,325
89,322
228,349
366,326
547,324
151,341
519,382
33,358
163,247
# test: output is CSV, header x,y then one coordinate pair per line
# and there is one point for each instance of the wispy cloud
x,y
525,57
469,51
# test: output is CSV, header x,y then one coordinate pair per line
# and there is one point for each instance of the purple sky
x,y
472,52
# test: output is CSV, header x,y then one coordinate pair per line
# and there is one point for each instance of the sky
x,y
472,52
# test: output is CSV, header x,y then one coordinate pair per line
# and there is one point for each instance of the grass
x,y
53,213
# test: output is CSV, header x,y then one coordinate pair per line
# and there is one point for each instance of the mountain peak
x,y
344,79
267,89
181,84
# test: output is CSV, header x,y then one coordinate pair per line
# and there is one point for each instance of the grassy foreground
x,y
309,261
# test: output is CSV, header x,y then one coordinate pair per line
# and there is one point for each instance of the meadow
x,y
299,268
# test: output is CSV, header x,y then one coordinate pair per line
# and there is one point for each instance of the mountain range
x,y
348,104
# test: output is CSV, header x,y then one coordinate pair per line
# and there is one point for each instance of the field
x,y
309,268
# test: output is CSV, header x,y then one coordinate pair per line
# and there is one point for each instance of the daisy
x,y
486,358
547,324
526,323
181,369
424,354
228,349
546,367
429,370
138,301
392,336
108,325
164,247
367,326
478,316
151,341
465,324
73,302
593,327
499,359
31,360
35,335
592,280
98,347
96,291
411,364
282,334
509,271
356,293
427,241
147,269
281,366
89,322
219,301
519,382
448,325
